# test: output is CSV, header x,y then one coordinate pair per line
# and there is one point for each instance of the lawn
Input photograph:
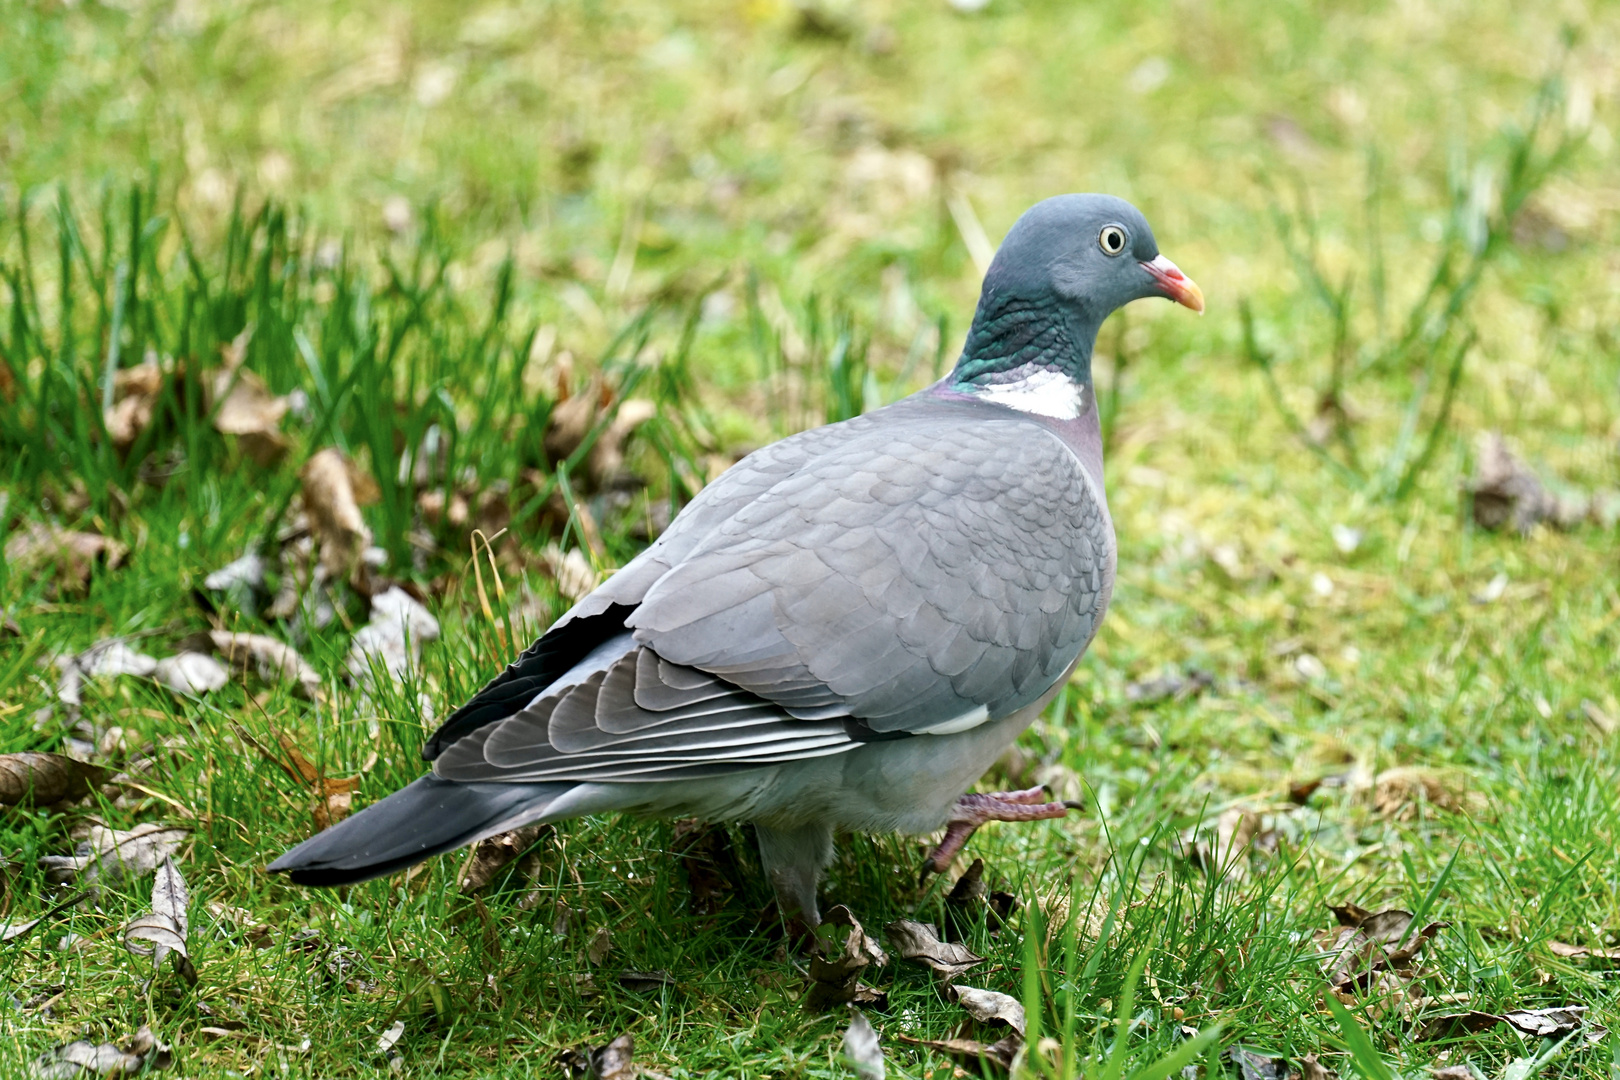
x,y
466,299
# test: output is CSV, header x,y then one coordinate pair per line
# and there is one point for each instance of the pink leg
x,y
973,810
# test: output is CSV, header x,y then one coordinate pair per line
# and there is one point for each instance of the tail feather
x,y
422,819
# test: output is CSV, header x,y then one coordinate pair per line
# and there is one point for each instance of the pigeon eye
x,y
1111,239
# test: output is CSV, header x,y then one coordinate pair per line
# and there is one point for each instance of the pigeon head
x,y
1067,264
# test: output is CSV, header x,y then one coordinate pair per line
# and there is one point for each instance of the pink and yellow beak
x,y
1176,285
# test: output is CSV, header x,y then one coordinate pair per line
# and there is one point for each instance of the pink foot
x,y
973,810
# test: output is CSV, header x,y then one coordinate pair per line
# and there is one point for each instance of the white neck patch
x,y
1045,393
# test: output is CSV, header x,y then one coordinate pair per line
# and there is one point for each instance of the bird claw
x,y
974,809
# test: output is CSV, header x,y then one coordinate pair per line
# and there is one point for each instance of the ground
x,y
758,216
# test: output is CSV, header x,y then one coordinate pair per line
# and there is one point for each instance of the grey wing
x,y
922,576
906,580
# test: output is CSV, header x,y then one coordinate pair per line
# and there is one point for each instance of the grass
x,y
755,217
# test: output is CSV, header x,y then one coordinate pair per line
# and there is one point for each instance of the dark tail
x,y
420,820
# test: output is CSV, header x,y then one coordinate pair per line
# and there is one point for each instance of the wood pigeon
x,y
845,629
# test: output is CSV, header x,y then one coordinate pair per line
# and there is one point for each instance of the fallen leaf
x,y
998,1053
1576,952
1397,791
392,640
1449,1072
862,1049
989,1006
161,932
920,942
493,854
333,795
705,854
1221,852
1312,1069
1547,1023
113,657
1505,491
275,661
78,1059
244,407
246,572
601,944
35,779
12,930
1457,1025
191,673
570,570
112,855
333,507
1366,946
386,1041
836,981
68,555
1256,1066
643,982
615,1061
604,466
135,394
1176,685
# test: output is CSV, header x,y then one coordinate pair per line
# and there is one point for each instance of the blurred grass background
x,y
765,215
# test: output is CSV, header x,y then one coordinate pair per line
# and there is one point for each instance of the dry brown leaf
x,y
245,573
572,415
1256,1066
836,981
1506,492
605,463
1369,950
1547,1023
1310,1068
571,571
332,796
645,982
112,855
998,1053
10,931
392,640
970,893
492,855
386,1041
113,657
706,855
191,673
1396,791
917,941
161,932
601,944
35,779
1224,851
862,1049
67,555
275,661
1581,952
989,1006
244,407
1457,1025
135,394
1176,685
1449,1072
333,506
1537,1023
82,1059
615,1061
